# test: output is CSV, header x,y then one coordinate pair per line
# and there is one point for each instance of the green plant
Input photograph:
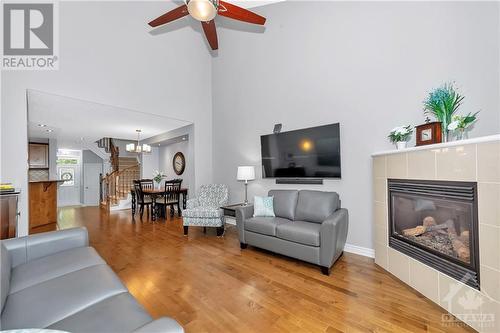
x,y
442,103
158,176
400,133
462,122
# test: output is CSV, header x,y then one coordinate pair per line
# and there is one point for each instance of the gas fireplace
x,y
435,222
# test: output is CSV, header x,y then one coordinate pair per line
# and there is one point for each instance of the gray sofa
x,y
309,225
54,280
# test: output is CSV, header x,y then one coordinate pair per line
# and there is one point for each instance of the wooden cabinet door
x,y
8,216
43,204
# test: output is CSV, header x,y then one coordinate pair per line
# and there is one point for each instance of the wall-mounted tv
x,y
306,153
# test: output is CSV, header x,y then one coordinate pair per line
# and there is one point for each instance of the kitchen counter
x,y
47,181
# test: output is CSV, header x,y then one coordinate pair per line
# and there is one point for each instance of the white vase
x,y
401,145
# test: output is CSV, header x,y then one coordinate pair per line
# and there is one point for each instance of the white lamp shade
x,y
246,173
130,147
202,10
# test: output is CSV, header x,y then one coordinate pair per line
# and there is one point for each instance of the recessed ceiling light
x,y
49,130
42,125
183,138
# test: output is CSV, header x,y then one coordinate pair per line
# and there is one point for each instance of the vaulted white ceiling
x,y
72,121
254,3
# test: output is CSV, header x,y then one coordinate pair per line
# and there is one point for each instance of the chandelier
x,y
137,147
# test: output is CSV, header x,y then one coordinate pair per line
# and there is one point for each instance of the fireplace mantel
x,y
474,160
489,138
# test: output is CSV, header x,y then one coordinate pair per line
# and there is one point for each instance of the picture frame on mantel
x,y
428,133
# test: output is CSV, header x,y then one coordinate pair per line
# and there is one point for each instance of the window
x,y
67,161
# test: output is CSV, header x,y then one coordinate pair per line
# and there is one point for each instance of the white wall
x,y
113,59
165,162
367,65
52,158
150,163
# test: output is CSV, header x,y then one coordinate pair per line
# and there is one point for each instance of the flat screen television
x,y
306,153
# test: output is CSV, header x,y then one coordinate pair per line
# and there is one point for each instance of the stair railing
x,y
116,185
113,151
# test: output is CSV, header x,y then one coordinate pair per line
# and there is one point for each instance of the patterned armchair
x,y
204,211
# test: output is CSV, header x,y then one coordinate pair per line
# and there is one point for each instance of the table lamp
x,y
246,173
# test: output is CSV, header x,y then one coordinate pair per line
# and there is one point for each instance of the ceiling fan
x,y
205,11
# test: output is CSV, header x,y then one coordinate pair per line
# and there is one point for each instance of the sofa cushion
x,y
264,225
316,206
53,300
49,267
4,274
300,232
119,313
285,203
205,212
263,207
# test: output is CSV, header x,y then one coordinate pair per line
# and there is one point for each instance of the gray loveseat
x,y
54,280
309,225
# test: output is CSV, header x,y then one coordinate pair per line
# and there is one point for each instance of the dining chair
x,y
171,198
146,183
142,200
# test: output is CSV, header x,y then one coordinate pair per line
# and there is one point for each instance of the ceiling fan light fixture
x,y
202,10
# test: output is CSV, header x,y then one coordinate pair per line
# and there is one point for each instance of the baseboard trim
x,y
362,251
230,220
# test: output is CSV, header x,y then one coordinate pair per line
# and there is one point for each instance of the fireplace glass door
x,y
439,225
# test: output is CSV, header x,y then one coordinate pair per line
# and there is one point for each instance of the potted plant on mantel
x,y
400,135
442,103
459,124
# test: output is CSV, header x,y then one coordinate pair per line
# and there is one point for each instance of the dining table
x,y
154,194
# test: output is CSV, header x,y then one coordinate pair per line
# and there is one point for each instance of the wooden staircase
x,y
109,147
116,185
129,170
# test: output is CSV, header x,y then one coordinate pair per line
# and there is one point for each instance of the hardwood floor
x,y
209,285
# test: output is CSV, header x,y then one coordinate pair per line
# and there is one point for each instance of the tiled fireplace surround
x,y
476,160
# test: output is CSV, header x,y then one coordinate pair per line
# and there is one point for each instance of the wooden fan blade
x,y
240,14
172,15
211,34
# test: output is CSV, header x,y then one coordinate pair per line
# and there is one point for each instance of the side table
x,y
230,210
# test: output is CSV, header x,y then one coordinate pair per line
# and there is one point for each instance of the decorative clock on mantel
x,y
179,163
428,133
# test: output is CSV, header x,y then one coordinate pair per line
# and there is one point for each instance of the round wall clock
x,y
179,163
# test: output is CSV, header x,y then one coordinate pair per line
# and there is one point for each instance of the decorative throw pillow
x,y
263,207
